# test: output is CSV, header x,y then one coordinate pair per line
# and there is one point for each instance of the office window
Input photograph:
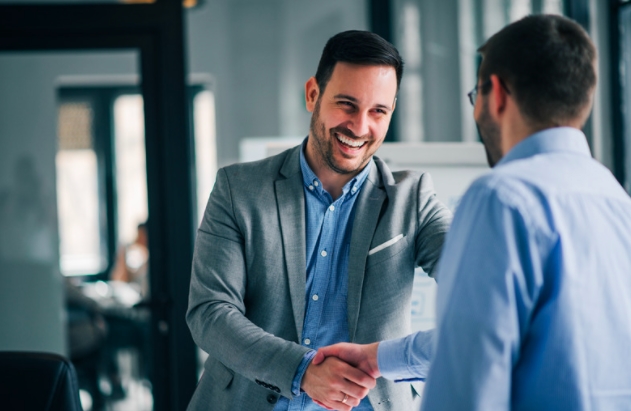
x,y
101,167
438,41
131,170
205,146
82,249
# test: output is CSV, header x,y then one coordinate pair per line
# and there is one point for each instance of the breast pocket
x,y
386,250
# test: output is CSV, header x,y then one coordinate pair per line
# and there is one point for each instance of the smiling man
x,y
312,247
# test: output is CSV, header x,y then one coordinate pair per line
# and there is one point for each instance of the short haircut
x,y
357,47
548,64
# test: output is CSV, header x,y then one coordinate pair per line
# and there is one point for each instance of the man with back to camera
x,y
314,246
534,291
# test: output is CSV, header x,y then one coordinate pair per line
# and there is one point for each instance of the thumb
x,y
324,352
319,357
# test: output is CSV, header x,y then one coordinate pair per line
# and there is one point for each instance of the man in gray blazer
x,y
314,246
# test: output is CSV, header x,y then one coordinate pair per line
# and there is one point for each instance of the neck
x,y
332,181
516,129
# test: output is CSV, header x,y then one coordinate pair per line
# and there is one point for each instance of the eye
x,y
346,104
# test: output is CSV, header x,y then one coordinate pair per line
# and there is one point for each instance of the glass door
x,y
73,206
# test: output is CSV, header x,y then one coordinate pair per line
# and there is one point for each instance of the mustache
x,y
347,133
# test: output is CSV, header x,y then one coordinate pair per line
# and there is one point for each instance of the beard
x,y
490,135
324,145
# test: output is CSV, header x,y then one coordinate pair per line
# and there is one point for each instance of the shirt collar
x,y
313,183
558,139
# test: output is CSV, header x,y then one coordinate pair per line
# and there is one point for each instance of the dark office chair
x,y
32,381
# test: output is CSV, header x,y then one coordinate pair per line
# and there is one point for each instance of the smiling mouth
x,y
349,142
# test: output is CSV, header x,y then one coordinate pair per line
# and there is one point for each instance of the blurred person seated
x,y
132,262
120,304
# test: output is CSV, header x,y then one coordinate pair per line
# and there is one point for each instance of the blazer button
x,y
272,399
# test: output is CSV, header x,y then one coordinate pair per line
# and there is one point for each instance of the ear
x,y
312,92
497,98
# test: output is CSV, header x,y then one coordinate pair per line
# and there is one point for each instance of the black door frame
x,y
156,31
381,20
616,84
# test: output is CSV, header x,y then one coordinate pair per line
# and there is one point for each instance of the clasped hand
x,y
341,375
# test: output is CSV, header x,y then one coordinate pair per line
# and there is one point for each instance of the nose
x,y
360,124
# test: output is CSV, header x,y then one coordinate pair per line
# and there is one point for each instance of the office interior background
x,y
114,118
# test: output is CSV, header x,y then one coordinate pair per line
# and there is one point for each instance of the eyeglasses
x,y
473,94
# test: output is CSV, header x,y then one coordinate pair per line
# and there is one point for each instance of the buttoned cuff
x,y
300,372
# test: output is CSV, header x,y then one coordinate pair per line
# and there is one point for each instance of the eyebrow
x,y
354,100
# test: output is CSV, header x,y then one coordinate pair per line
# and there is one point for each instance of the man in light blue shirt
x,y
534,291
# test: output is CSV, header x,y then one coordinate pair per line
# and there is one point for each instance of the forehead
x,y
363,82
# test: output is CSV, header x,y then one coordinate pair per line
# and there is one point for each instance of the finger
x,y
349,379
359,377
319,357
351,401
329,351
354,390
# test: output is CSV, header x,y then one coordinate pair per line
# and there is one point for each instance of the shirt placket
x,y
322,272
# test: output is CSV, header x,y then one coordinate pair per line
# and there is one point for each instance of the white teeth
x,y
349,142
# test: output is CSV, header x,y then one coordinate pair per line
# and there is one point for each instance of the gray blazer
x,y
247,296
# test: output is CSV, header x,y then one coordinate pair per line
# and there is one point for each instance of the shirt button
x,y
307,341
315,183
354,189
323,253
332,208
311,188
315,297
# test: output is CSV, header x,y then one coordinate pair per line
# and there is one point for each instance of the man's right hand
x,y
335,384
362,356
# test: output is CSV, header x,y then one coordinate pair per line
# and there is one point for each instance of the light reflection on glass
x,y
131,174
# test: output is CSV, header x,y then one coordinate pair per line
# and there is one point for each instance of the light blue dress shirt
x,y
329,226
534,292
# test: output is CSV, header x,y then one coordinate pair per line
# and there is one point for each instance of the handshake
x,y
341,375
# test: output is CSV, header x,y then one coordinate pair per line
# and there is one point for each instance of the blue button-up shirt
x,y
329,226
534,292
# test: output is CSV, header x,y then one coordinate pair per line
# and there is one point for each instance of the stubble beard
x,y
490,135
324,146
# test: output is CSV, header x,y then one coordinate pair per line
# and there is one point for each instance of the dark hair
x,y
357,47
547,63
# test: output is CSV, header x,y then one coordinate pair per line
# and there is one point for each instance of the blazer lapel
x,y
291,210
367,209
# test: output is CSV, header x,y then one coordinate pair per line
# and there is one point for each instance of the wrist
x,y
373,359
297,385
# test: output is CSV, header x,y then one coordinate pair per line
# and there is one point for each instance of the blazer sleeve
x,y
216,310
434,219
